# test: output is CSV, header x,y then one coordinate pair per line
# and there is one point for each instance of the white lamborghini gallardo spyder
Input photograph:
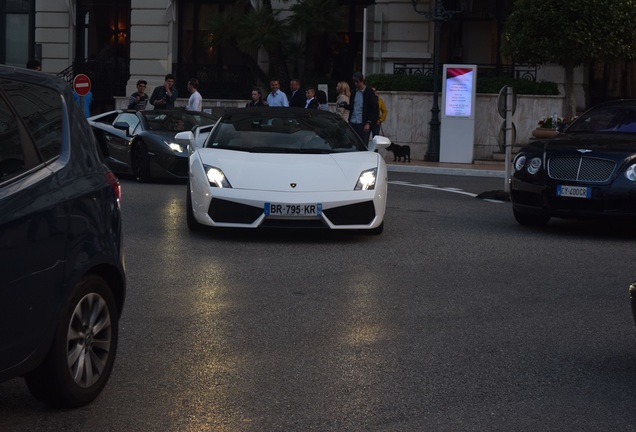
x,y
286,167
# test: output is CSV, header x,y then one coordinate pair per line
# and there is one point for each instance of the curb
x,y
446,170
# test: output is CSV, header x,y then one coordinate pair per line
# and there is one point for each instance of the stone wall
x,y
409,114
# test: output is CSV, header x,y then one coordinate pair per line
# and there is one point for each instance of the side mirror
x,y
123,126
185,138
379,142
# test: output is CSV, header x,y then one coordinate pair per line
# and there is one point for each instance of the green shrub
x,y
421,83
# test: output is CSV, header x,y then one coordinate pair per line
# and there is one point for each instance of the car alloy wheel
x,y
81,357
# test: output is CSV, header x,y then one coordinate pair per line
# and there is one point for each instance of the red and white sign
x,y
81,84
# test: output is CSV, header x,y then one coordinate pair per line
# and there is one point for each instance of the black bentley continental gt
x,y
587,171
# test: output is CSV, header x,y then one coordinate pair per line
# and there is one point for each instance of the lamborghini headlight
x,y
630,173
216,177
176,147
366,181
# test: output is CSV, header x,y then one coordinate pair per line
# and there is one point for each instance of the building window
x,y
17,35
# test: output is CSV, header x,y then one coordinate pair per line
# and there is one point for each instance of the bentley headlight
x,y
216,177
630,173
176,147
520,162
534,165
366,181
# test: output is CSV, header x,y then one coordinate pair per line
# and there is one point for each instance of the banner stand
x,y
457,139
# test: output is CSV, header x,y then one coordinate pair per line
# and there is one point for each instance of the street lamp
x,y
438,15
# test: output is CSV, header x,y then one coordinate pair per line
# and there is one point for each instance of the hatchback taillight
x,y
114,182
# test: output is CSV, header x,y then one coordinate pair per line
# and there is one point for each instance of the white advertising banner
x,y
458,113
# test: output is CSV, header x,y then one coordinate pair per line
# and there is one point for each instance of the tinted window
x,y
40,109
12,159
607,118
176,121
131,119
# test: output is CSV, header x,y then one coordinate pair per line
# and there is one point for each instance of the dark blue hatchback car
x,y
62,280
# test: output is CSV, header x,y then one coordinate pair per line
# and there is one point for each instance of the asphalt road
x,y
454,319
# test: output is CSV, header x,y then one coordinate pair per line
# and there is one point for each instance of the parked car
x,y
62,283
587,171
286,167
142,143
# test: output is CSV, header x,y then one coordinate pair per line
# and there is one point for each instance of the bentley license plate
x,y
574,191
277,209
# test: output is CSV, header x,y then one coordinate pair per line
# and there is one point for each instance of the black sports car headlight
x,y
366,181
216,177
176,146
630,173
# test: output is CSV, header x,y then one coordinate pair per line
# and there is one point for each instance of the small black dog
x,y
400,152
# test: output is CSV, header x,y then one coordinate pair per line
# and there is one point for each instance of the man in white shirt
x,y
195,102
277,97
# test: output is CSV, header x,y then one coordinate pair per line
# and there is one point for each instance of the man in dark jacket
x,y
163,97
296,96
363,107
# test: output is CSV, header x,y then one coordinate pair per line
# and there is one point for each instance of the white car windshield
x,y
283,130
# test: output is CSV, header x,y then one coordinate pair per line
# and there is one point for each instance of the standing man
x,y
163,97
363,108
139,99
195,102
296,97
276,98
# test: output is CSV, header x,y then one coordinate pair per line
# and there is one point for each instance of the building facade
x,y
117,42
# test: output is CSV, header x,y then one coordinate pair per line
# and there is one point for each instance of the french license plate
x,y
574,191
277,209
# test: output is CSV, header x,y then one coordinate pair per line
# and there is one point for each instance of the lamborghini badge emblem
x,y
293,185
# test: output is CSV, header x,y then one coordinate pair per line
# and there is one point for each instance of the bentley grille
x,y
583,169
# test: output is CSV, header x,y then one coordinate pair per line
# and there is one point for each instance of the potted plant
x,y
548,127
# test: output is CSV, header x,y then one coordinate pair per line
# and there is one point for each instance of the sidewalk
x,y
489,169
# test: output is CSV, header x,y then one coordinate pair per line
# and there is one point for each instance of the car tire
x,y
86,337
528,219
141,163
193,224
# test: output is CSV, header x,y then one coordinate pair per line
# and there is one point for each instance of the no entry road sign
x,y
81,84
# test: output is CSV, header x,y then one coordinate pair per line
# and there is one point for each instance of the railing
x,y
483,70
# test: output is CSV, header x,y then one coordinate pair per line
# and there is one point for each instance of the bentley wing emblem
x,y
583,150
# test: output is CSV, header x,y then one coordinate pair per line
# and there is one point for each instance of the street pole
x,y
438,15
434,134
